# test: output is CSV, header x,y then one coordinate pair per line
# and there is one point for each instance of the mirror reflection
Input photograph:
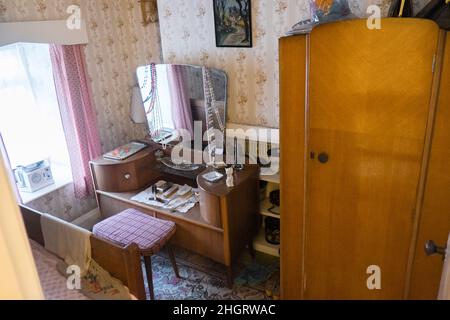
x,y
174,98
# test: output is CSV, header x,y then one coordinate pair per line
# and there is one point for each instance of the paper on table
x,y
145,196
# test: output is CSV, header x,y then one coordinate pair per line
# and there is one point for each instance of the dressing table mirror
x,y
177,98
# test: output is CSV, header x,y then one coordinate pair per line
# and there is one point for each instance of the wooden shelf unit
x,y
259,243
272,179
265,206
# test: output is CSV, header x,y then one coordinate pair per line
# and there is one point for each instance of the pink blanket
x,y
53,283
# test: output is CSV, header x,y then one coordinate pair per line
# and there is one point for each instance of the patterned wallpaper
x,y
187,34
118,45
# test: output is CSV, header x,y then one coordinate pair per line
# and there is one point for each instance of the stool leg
x,y
173,261
148,270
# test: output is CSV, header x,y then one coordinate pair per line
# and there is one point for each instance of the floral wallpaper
x,y
187,35
359,7
118,44
62,204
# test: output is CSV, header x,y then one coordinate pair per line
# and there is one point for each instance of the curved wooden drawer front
x,y
126,176
116,178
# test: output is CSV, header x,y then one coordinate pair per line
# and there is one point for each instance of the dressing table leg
x,y
230,277
148,269
173,261
251,249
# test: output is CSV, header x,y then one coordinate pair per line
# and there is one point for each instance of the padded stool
x,y
134,227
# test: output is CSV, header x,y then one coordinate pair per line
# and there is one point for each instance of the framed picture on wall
x,y
233,23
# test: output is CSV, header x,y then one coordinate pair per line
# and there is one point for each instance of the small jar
x,y
272,230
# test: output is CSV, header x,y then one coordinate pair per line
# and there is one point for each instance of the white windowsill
x,y
62,176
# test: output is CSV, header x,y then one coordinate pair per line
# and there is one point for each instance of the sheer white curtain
x,y
30,121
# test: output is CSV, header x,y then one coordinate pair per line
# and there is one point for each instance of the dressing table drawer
x,y
120,178
132,174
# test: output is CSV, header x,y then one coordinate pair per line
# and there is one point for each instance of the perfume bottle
x,y
236,165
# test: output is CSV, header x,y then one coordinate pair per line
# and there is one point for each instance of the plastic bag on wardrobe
x,y
439,11
323,11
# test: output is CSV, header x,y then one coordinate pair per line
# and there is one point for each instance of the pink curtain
x,y
181,104
77,113
7,164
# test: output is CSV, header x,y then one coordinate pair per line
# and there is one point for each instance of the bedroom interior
x,y
224,150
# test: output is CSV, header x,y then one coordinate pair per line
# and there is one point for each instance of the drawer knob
x,y
127,176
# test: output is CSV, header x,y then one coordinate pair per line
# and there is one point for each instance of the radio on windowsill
x,y
34,177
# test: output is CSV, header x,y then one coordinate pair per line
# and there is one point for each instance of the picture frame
x,y
233,23
149,10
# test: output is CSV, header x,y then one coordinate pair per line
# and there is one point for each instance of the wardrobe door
x,y
369,95
435,218
293,141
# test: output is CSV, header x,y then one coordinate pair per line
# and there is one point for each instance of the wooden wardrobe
x,y
365,166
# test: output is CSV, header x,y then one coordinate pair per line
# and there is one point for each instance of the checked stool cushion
x,y
132,226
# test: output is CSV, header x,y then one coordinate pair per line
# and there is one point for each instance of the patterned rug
x,y
203,279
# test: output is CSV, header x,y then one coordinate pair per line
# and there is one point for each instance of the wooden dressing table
x,y
219,227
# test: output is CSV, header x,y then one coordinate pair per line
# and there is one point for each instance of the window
x,y
165,98
30,122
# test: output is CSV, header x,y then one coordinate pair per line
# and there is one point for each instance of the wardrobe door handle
x,y
323,157
432,249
